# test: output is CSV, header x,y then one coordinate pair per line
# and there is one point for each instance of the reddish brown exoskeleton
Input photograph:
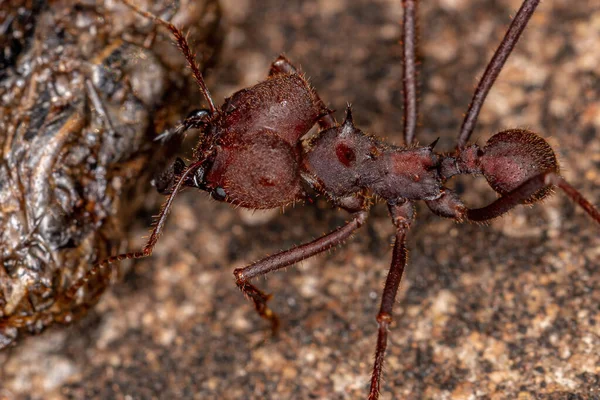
x,y
251,156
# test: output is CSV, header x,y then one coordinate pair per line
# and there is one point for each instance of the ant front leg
x,y
286,258
284,66
402,216
166,180
70,296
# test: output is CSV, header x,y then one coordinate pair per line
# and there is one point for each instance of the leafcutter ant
x,y
250,155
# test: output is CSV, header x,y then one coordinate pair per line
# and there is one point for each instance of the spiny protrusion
x,y
348,124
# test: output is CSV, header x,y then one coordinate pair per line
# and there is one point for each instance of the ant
x,y
251,156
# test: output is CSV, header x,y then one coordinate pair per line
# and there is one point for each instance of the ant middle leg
x,y
402,216
287,258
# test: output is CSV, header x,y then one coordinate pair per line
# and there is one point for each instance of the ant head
x,y
254,142
261,172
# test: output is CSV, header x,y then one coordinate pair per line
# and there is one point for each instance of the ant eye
x,y
218,194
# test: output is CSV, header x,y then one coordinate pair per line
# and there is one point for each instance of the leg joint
x,y
552,178
384,318
239,275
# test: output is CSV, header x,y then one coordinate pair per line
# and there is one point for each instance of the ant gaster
x,y
250,155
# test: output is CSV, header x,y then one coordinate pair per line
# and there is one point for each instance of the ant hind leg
x,y
402,216
494,68
524,193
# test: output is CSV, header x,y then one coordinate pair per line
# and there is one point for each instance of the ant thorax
x,y
343,160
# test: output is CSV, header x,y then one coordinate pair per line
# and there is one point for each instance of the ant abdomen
x,y
512,157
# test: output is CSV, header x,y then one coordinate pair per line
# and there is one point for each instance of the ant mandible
x,y
250,155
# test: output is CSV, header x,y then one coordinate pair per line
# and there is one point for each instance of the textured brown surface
x,y
67,173
508,310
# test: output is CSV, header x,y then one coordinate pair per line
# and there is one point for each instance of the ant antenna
x,y
185,49
148,248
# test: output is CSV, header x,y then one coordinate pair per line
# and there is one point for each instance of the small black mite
x,y
251,156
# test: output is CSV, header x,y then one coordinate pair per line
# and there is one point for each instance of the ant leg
x,y
402,216
409,71
286,258
525,192
69,296
185,49
494,67
284,66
